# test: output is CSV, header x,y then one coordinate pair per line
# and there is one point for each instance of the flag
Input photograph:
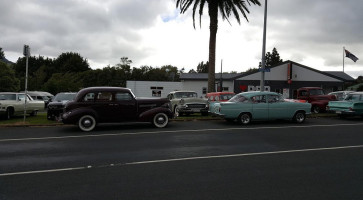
x,y
350,55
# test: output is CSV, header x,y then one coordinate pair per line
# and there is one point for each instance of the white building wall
x,y
198,86
276,74
279,73
303,74
143,88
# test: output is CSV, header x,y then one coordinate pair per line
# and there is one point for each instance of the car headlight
x,y
65,115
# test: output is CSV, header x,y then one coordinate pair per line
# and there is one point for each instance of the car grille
x,y
196,105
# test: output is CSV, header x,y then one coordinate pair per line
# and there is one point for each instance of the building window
x,y
204,90
156,93
225,89
156,88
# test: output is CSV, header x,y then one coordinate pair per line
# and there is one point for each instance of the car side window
x,y
273,98
89,97
21,97
104,96
123,96
303,93
259,99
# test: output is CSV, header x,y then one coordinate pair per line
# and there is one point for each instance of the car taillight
x,y
350,108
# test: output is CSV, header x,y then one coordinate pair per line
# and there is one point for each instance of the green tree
x,y
226,7
38,79
2,55
125,61
8,81
64,82
203,67
273,58
70,62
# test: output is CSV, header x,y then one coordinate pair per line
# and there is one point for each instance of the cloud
x,y
154,33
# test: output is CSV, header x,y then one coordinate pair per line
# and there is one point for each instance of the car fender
x,y
73,116
149,114
321,104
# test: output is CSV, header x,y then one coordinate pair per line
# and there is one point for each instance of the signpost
x,y
26,53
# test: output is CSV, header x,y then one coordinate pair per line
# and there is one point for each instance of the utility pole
x,y
26,52
262,84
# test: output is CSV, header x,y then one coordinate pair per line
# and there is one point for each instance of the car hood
x,y
57,103
341,104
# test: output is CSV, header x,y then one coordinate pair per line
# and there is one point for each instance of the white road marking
x,y
243,155
42,171
177,131
181,159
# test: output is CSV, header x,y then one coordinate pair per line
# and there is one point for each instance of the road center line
x,y
175,131
243,155
180,159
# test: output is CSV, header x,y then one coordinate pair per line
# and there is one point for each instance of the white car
x,y
187,102
12,103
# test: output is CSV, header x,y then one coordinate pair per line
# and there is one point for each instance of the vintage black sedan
x,y
114,104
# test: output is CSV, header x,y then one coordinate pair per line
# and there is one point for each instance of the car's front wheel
x,y
9,113
244,118
87,123
160,120
299,117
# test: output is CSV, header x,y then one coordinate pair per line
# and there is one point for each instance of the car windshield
x,y
7,96
353,97
186,95
238,98
316,92
64,97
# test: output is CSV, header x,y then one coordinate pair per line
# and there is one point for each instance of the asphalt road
x,y
320,159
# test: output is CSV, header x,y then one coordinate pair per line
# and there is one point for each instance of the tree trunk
x,y
213,15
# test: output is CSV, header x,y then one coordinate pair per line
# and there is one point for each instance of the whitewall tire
x,y
87,123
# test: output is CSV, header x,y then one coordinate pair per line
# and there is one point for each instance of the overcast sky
x,y
153,33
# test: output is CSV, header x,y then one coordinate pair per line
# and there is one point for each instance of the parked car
x,y
248,106
340,95
114,104
219,96
316,97
12,103
40,96
56,104
187,102
352,105
216,97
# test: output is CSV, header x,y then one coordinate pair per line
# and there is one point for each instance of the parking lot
x,y
209,159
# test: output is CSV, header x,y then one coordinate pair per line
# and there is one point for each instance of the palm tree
x,y
226,7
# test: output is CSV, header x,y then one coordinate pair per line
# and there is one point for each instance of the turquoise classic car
x,y
248,106
352,105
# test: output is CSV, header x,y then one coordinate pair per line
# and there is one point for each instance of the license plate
x,y
338,112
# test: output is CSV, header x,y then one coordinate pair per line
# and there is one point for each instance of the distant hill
x,y
7,61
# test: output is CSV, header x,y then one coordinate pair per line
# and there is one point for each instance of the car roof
x,y
182,91
254,93
38,93
219,93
